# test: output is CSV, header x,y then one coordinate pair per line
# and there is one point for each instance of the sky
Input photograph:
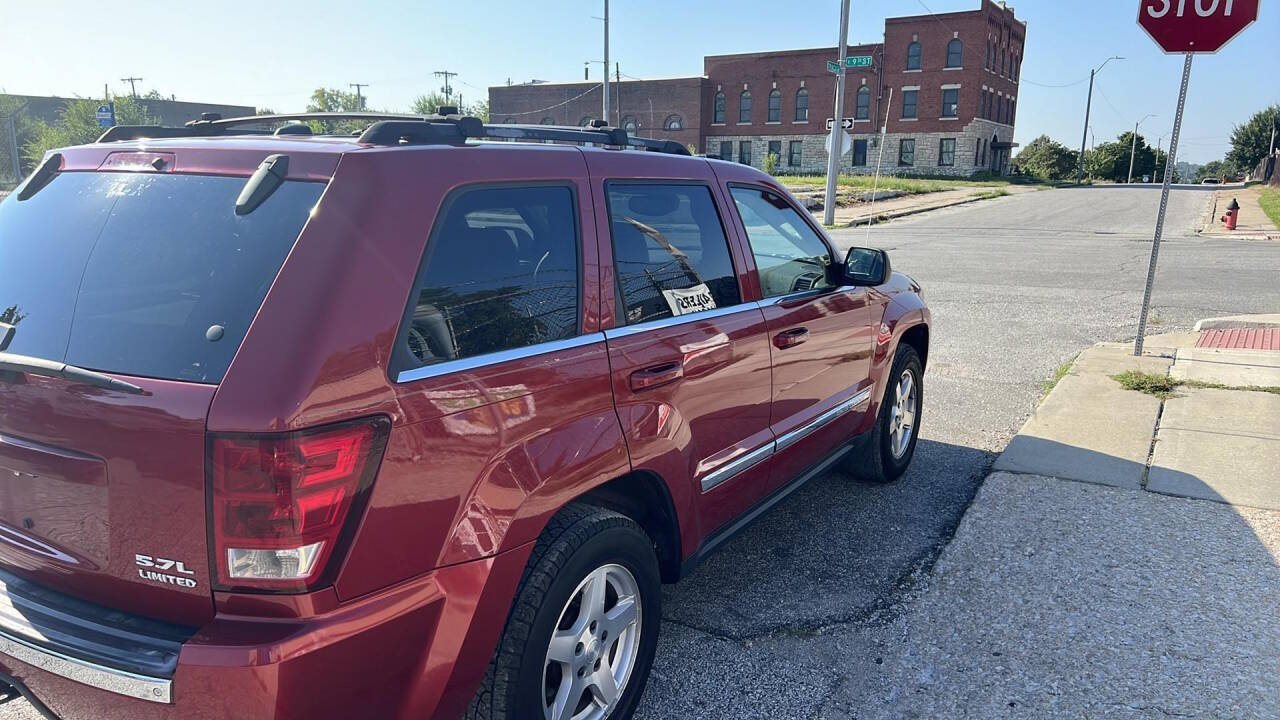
x,y
274,54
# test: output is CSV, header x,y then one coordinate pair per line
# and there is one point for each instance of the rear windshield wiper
x,y
53,368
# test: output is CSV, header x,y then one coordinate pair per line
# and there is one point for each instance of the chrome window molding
x,y
141,687
480,361
738,465
826,418
627,330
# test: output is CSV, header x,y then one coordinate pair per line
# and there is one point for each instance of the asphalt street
x,y
787,619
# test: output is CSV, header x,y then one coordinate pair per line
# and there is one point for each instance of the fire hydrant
x,y
1233,214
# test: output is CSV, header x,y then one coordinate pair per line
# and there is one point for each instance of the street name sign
x,y
1195,26
845,123
857,61
833,67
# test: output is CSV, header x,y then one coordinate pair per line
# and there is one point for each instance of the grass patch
x,y
989,194
1047,386
1270,202
1162,386
908,185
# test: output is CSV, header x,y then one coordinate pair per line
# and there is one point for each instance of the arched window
x,y
744,107
548,121
717,113
955,53
862,110
802,105
673,122
913,56
629,123
775,105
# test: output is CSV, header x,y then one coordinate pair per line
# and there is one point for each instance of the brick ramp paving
x,y
1241,339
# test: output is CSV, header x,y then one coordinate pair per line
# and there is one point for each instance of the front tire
x,y
887,450
582,633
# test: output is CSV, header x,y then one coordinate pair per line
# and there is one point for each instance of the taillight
x,y
285,505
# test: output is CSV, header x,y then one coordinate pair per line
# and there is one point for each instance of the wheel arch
x,y
643,496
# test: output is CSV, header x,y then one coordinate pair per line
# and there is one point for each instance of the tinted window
x,y
670,250
128,273
790,257
501,272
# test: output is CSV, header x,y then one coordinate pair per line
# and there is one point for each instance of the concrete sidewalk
x,y
855,214
1253,223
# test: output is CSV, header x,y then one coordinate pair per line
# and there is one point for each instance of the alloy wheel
x,y
902,417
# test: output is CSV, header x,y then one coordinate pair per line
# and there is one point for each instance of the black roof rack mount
x,y
445,128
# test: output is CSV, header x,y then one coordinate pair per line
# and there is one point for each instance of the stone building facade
x,y
939,98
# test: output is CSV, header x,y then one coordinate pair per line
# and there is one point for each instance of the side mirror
x,y
866,266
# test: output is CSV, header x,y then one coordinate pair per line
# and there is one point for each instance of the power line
x,y
133,89
448,87
589,90
359,97
1047,85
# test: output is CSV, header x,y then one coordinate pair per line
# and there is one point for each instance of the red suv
x,y
407,424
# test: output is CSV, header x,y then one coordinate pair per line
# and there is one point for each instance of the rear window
x,y
152,275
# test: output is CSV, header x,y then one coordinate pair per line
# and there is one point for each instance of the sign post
x,y
833,138
1185,27
106,115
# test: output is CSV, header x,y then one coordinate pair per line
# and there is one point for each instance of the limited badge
x,y
154,569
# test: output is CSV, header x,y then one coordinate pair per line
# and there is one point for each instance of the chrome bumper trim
x,y
740,464
141,687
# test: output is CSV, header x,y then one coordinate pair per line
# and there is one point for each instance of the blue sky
x,y
275,53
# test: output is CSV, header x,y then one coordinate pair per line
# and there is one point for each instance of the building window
x,y
913,56
983,160
977,153
951,102
1004,54
629,123
859,153
744,152
794,150
775,149
955,53
726,150
1015,62
906,153
775,106
947,152
987,65
744,107
673,122
909,98
802,105
862,111
717,113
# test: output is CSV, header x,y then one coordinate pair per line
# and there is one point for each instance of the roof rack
x,y
445,128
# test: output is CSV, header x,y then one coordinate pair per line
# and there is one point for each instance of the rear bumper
x,y
416,650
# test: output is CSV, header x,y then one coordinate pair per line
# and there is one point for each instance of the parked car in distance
x,y
1210,181
411,424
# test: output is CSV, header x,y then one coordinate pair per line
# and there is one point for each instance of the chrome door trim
x,y
495,358
626,330
826,418
141,687
738,465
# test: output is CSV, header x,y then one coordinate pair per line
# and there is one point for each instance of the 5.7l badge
x,y
145,564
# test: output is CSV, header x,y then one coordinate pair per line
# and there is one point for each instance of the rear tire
x,y
884,454
588,606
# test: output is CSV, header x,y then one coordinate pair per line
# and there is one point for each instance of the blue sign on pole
x,y
106,115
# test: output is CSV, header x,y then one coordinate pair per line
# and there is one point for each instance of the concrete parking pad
x,y
1221,445
1238,368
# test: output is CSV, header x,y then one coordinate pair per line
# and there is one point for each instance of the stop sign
x,y
1199,26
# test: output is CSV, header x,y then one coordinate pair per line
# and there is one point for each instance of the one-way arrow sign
x,y
845,123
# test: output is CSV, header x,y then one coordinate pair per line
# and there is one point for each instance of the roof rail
x,y
258,119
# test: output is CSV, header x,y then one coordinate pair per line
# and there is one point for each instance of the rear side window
x,y
152,275
500,272
670,250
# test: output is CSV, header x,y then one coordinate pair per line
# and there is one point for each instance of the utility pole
x,y
837,132
1133,149
359,97
448,87
617,81
605,104
1087,107
133,88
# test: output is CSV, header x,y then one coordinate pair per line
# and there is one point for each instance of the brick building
x,y
948,84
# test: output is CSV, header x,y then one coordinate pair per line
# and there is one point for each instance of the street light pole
x,y
605,116
837,132
1087,107
1133,149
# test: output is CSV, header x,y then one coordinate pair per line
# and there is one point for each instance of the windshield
x,y
152,275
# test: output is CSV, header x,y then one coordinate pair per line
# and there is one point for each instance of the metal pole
x,y
605,103
875,185
1164,204
1133,150
833,157
1087,107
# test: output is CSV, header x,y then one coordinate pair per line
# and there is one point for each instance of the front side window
x,y
501,272
951,102
717,113
726,149
673,122
744,152
744,107
862,110
802,105
913,56
790,256
775,106
859,153
909,99
947,152
794,153
955,53
670,251
907,153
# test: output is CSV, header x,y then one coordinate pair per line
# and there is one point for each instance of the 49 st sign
x,y
1195,26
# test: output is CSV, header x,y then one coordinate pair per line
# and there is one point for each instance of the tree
x,y
78,125
334,100
1215,169
1251,141
1110,160
25,127
428,105
1045,159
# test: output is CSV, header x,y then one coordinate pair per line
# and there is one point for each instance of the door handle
x,y
790,338
655,376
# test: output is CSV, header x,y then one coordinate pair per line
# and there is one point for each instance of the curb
x,y
1238,322
880,218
